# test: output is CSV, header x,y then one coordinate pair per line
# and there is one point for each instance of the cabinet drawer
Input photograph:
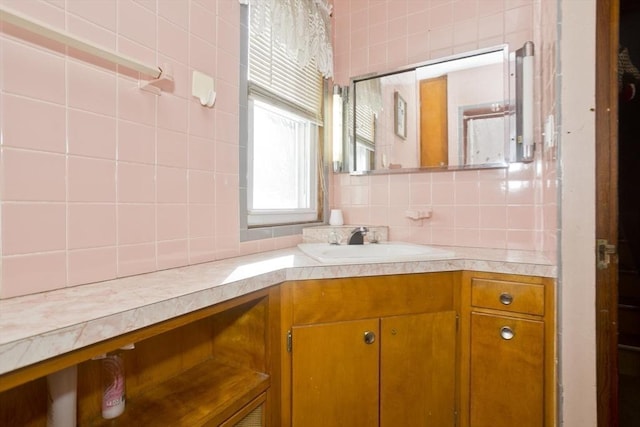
x,y
526,298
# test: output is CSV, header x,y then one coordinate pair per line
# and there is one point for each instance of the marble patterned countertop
x,y
36,327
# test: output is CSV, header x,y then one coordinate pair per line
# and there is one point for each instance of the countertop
x,y
36,327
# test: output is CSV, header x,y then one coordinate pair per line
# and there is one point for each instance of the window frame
x,y
257,232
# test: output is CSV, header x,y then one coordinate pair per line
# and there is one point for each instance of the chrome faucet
x,y
357,236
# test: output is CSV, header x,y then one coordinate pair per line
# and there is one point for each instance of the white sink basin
x,y
379,252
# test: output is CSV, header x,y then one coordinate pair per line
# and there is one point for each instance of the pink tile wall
x,y
511,208
99,179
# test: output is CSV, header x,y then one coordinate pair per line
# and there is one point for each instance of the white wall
x,y
577,204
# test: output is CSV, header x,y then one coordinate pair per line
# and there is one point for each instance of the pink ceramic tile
x,y
467,237
171,185
379,215
138,51
378,13
519,19
137,23
492,192
465,9
136,259
32,176
227,221
201,220
99,12
42,11
443,217
91,89
360,195
91,135
491,26
19,277
94,34
398,28
227,130
174,253
228,35
172,222
489,7
18,116
136,142
397,52
359,20
28,228
227,158
441,39
467,193
149,4
493,239
202,187
136,224
91,180
201,55
493,217
441,16
172,40
359,38
91,225
227,191
203,23
521,217
92,265
172,113
467,216
172,148
136,183
202,250
201,154
443,193
380,195
32,72
465,32
521,239
175,11
442,236
134,104
227,73
520,193
202,121
417,22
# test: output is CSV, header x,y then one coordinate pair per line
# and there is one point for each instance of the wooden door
x,y
417,370
335,374
606,307
506,375
434,135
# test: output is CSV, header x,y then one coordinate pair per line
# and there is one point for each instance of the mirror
x,y
450,113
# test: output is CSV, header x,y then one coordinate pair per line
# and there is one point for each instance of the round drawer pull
x,y
369,337
507,333
506,298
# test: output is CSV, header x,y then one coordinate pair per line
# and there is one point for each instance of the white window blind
x,y
272,72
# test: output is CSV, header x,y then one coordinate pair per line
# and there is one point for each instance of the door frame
x,y
607,36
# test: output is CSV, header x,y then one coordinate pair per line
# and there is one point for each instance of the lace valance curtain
x,y
303,27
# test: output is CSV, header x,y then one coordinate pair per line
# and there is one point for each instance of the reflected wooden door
x,y
434,150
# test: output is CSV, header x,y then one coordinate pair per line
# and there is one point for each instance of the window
x,y
284,121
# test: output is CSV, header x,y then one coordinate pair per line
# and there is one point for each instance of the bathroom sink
x,y
379,252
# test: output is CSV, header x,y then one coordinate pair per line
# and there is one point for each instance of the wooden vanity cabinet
x,y
374,351
508,345
205,368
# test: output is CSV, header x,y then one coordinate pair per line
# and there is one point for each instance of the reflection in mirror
x,y
448,113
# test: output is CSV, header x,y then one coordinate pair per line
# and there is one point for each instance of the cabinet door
x,y
417,370
335,374
507,372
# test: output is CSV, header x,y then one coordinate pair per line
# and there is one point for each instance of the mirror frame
x,y
348,161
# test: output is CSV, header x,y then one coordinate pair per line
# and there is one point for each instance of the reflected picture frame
x,y
400,115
